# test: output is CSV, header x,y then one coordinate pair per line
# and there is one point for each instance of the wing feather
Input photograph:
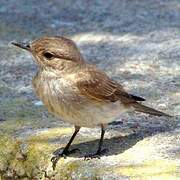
x,y
97,85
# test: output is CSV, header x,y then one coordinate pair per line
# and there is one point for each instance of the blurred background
x,y
136,42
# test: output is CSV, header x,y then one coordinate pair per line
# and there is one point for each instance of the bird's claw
x,y
64,154
54,161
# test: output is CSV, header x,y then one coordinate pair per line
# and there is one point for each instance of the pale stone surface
x,y
138,44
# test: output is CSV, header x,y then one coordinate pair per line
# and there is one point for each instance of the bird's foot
x,y
98,154
64,154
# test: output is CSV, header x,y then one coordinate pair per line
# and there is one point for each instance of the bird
x,y
76,91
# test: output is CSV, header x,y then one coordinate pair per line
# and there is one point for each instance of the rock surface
x,y
138,44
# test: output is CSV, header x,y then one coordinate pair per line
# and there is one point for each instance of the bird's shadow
x,y
115,145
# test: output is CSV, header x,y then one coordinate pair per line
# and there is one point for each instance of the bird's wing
x,y
99,86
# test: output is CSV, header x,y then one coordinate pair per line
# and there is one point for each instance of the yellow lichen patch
x,y
8,149
18,159
30,157
73,168
66,169
43,139
44,136
161,169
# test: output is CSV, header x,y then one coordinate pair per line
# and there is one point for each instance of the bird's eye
x,y
48,55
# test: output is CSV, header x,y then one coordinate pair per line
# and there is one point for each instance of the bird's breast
x,y
59,95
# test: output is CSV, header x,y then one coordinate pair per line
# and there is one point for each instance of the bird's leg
x,y
100,151
66,150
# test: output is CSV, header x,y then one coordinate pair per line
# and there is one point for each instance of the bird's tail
x,y
141,108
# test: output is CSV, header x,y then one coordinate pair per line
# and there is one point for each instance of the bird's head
x,y
53,52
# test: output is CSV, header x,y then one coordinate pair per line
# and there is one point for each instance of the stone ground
x,y
138,44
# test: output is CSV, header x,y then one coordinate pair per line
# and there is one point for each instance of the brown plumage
x,y
76,91
100,87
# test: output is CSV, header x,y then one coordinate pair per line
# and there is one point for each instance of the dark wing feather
x,y
99,86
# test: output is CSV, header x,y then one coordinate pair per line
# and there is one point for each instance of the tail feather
x,y
137,98
141,108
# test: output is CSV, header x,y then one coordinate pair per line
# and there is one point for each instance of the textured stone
x,y
137,44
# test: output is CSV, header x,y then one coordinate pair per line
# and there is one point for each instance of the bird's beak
x,y
25,46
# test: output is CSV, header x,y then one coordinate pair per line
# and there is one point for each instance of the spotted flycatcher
x,y
76,91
